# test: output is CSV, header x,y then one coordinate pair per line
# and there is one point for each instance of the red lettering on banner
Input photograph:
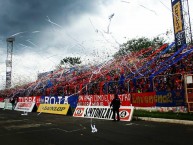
x,y
27,105
24,106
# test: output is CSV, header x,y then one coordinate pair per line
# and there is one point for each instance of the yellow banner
x,y
177,16
54,108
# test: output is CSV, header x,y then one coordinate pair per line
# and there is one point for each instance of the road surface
x,y
48,129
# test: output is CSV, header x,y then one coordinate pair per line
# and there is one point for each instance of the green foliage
x,y
134,45
71,60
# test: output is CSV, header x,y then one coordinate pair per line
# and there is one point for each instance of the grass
x,y
166,115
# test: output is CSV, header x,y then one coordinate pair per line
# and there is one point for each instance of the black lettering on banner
x,y
63,108
53,108
95,113
86,112
59,109
123,114
91,112
109,113
104,113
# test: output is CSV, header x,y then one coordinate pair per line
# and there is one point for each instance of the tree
x,y
134,45
70,61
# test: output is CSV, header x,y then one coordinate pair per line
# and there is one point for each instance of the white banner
x,y
24,106
8,106
2,104
99,112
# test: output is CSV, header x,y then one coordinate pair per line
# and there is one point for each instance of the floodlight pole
x,y
10,41
189,22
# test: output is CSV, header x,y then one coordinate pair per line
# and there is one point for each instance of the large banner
x,y
25,106
103,100
54,108
178,21
170,99
100,112
159,99
35,99
72,100
144,99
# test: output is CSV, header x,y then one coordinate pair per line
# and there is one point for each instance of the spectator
x,y
115,104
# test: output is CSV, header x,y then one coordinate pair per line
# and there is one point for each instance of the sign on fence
x,y
54,108
35,99
2,104
72,100
159,99
25,106
100,112
103,100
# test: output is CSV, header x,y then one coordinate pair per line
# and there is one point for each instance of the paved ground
x,y
47,129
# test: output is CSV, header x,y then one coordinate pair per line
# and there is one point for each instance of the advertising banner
x,y
24,106
159,99
103,100
35,99
100,112
8,106
2,104
170,99
178,23
144,99
79,111
61,109
72,100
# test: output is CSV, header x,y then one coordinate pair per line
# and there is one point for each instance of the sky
x,y
46,31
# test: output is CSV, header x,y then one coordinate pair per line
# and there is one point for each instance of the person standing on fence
x,y
115,104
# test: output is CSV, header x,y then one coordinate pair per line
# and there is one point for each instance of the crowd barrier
x,y
98,106
146,99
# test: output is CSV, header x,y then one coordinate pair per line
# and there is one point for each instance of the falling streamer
x,y
142,7
17,34
110,18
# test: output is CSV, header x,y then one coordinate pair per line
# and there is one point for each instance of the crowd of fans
x,y
124,74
